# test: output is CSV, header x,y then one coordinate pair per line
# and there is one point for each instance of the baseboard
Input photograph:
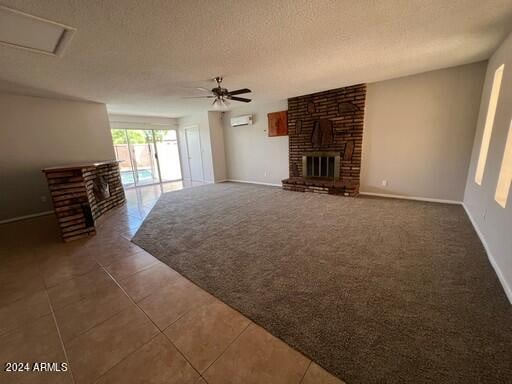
x,y
194,181
45,213
428,199
492,260
253,182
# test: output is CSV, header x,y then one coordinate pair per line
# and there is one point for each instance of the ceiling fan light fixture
x,y
222,96
220,104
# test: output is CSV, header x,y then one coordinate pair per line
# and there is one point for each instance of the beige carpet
x,y
373,290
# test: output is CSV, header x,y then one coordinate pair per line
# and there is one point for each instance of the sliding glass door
x,y
142,151
148,156
122,150
166,143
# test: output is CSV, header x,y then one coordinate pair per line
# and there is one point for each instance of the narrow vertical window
x,y
489,122
505,177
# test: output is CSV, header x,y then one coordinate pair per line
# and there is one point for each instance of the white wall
x,y
494,222
216,120
39,132
419,133
250,154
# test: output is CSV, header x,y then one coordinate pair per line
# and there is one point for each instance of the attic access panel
x,y
24,31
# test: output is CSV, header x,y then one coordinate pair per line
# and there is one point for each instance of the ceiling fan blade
x,y
203,89
198,97
239,91
242,99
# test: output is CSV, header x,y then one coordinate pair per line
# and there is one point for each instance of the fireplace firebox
x,y
321,164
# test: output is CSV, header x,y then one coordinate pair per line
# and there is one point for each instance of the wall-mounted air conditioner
x,y
241,120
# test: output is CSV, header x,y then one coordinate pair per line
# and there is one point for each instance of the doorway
x,y
148,156
194,153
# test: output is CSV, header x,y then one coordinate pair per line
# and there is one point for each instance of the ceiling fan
x,y
222,95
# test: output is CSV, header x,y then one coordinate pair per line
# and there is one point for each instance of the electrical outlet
x,y
385,183
266,173
43,199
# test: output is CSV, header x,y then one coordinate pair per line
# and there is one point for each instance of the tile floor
x,y
115,314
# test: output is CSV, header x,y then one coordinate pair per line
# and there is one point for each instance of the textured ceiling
x,y
142,57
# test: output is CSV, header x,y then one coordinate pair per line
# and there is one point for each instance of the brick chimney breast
x,y
330,121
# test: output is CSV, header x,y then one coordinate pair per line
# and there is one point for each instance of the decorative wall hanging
x,y
349,151
278,123
322,134
298,127
346,107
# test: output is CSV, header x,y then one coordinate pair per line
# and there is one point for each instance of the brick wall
x,y
338,116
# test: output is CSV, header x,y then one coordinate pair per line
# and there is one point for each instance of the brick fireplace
x,y
325,132
83,192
